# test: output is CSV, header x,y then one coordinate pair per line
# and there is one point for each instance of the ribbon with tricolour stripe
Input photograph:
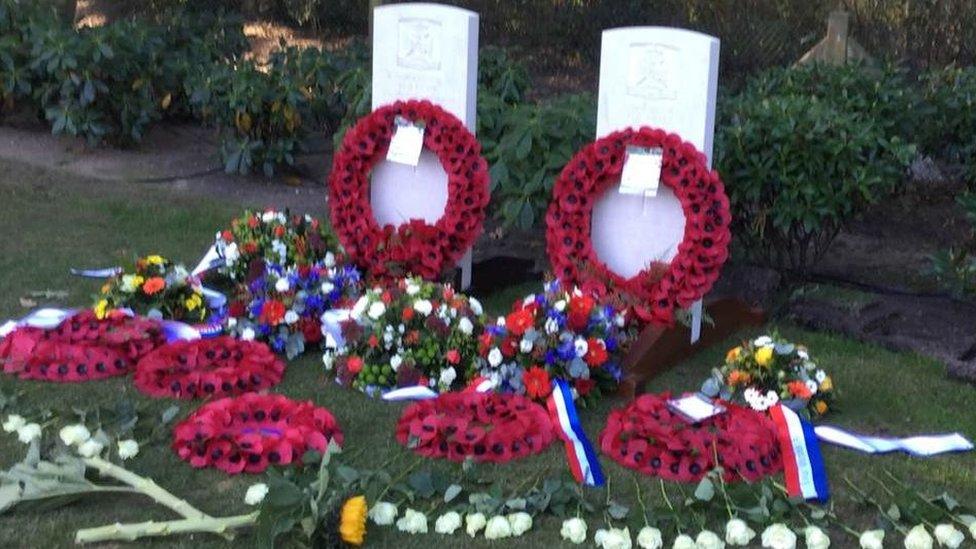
x,y
806,476
919,446
421,392
583,462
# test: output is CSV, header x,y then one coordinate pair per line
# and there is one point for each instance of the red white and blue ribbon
x,y
803,465
583,462
918,446
421,392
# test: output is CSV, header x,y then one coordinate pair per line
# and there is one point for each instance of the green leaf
x,y
422,482
452,492
705,490
617,511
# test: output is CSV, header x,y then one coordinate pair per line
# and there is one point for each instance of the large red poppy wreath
x,y
205,368
81,348
486,427
250,432
657,290
646,436
415,247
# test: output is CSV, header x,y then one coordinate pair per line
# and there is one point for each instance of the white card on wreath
x,y
407,143
642,171
695,407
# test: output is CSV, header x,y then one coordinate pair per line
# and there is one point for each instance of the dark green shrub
x,y
16,21
955,268
950,130
796,168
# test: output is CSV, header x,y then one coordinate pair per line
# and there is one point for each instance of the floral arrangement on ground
x,y
156,288
411,332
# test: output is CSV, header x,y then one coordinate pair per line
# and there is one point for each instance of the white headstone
x,y
422,51
665,78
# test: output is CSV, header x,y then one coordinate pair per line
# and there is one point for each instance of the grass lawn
x,y
51,223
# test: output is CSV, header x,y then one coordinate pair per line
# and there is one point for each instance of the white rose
x,y
90,448
613,538
13,423
778,536
474,523
476,307
560,305
282,285
376,310
413,288
709,540
498,528
268,216
73,435
327,287
949,536
494,357
395,362
28,432
649,538
383,513
291,317
872,539
525,346
816,538
128,449
255,493
581,347
520,522
465,325
683,541
231,253
330,259
247,334
448,375
447,523
413,522
763,341
737,532
423,306
573,530
918,538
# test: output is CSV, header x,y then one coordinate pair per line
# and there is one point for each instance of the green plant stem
x,y
398,478
926,500
667,501
640,501
131,532
877,505
146,486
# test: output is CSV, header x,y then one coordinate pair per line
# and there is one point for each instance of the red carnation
x,y
227,236
272,312
250,247
596,353
253,222
519,321
453,356
311,330
373,341
537,384
407,314
279,231
354,364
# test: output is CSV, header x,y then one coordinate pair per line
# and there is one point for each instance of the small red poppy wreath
x,y
81,348
486,427
205,368
250,432
415,247
657,290
647,437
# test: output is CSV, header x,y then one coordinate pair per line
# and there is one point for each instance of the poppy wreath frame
x,y
415,247
428,427
657,290
81,348
208,368
646,436
234,434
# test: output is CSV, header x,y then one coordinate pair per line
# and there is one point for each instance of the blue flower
x,y
567,350
551,357
278,343
614,370
611,344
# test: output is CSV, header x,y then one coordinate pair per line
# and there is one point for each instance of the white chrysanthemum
x,y
738,533
812,386
872,539
282,285
581,347
820,376
918,538
520,522
13,423
73,435
255,493
383,513
525,346
465,325
376,310
949,536
560,305
494,357
423,306
413,288
231,254
816,538
448,375
90,448
473,523
395,362
29,432
247,334
128,449
498,528
650,538
291,317
551,326
763,341
573,530
327,287
447,523
412,522
778,536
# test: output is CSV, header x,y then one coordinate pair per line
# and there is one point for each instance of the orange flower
x,y
154,285
799,389
733,354
738,376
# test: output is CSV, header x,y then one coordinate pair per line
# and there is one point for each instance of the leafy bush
x,y
950,129
16,21
955,268
796,167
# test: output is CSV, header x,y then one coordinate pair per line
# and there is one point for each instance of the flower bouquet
x,y
156,288
257,238
411,333
769,370
282,305
555,334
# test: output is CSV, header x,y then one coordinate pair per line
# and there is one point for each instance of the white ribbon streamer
x,y
210,260
922,446
47,319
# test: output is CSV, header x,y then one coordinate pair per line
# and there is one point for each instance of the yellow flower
x,y
764,356
733,354
827,384
820,407
155,259
101,308
352,521
193,302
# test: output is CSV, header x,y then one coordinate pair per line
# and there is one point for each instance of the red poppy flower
x,y
537,384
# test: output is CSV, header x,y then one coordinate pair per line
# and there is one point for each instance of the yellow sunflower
x,y
352,521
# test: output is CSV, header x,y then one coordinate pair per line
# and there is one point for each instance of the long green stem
x,y
877,505
667,500
398,478
132,532
640,501
926,500
146,486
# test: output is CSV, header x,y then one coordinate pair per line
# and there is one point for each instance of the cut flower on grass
x,y
155,287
